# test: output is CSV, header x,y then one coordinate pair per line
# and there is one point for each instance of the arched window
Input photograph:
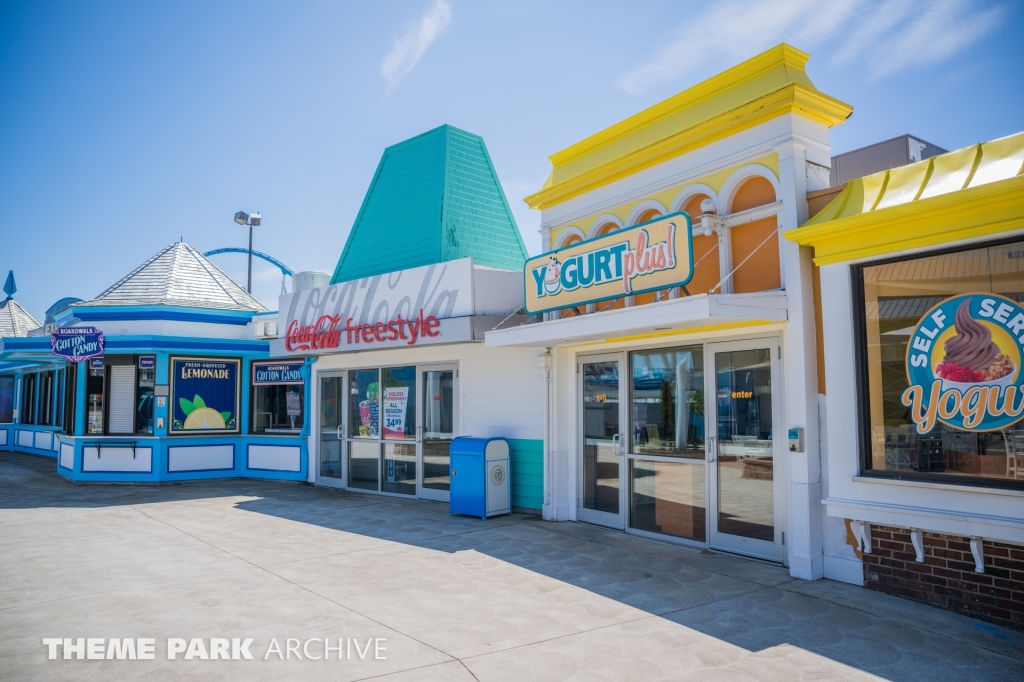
x,y
756,191
605,229
649,214
568,236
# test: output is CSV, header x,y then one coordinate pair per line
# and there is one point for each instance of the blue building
x,y
159,378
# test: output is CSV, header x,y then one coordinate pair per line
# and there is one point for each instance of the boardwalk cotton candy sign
x,y
964,364
76,343
646,257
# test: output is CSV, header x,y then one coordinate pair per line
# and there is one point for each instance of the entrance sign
x,y
76,343
964,364
647,257
204,396
277,373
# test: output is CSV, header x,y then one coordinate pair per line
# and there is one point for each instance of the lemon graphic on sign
x,y
200,417
205,418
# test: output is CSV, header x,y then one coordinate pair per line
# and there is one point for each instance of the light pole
x,y
243,218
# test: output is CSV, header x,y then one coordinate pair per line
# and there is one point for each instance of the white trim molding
x,y
601,222
564,235
740,176
643,207
687,194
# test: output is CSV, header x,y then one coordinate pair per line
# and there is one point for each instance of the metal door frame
x,y
773,551
342,374
429,493
617,521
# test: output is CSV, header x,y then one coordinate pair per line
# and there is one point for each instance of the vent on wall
x,y
266,330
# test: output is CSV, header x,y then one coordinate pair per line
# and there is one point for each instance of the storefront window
x,y
364,405
6,399
277,397
363,464
398,403
399,475
667,401
940,362
669,498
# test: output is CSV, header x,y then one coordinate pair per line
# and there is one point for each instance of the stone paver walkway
x,y
456,598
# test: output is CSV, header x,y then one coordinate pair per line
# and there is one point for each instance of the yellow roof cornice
x,y
769,85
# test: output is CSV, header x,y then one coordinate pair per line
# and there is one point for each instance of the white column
x,y
803,541
725,259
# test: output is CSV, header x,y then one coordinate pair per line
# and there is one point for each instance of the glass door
x,y
382,433
602,470
332,429
745,448
440,389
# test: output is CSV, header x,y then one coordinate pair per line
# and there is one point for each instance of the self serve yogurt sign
x,y
964,364
76,343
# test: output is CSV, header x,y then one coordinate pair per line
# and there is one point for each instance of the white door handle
x,y
617,445
710,444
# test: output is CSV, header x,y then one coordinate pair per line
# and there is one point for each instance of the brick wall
x,y
946,578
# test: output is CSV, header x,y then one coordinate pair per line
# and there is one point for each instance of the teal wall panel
x,y
527,473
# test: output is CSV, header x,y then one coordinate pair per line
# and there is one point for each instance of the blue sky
x,y
126,125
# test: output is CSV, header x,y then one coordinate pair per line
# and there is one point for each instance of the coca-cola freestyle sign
x,y
401,308
76,343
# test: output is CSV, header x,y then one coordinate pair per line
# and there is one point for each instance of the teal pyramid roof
x,y
434,198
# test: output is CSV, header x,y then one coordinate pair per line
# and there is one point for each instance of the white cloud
x,y
885,36
408,49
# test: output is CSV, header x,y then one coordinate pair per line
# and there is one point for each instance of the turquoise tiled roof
x,y
434,198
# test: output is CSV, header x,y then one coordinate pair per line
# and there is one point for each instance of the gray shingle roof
x,y
178,275
15,320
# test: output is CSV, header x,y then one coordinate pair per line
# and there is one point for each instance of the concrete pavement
x,y
455,598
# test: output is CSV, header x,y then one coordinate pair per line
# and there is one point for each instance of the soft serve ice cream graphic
x,y
553,277
971,358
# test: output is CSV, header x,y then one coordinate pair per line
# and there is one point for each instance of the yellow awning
x,y
972,192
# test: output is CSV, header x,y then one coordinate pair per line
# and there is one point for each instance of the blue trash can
x,y
480,477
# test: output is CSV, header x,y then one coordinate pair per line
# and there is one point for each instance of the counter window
x,y
144,395
277,397
70,398
940,365
94,391
28,399
6,399
46,388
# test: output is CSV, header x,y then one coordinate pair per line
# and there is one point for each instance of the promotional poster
x,y
204,396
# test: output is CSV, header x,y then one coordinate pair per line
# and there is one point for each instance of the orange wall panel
x,y
753,193
761,272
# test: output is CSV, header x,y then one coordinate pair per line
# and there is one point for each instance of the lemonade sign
x,y
204,396
964,364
